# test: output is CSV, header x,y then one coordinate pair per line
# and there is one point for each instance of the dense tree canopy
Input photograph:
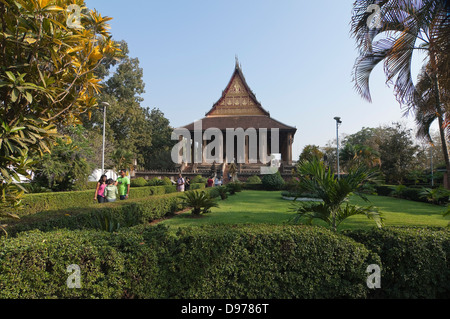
x,y
48,55
133,132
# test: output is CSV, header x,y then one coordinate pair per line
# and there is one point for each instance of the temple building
x,y
239,110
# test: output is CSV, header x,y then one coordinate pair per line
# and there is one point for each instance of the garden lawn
x,y
268,207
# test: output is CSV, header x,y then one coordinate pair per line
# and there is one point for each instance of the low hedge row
x,y
415,261
220,262
117,215
34,203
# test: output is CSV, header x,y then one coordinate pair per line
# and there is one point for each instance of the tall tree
x,y
127,122
359,154
397,153
157,156
48,55
392,148
310,152
429,109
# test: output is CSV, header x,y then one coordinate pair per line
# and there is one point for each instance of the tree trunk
x,y
441,114
444,149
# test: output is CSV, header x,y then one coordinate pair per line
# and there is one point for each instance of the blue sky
x,y
297,56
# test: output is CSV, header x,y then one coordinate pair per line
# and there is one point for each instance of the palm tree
x,y
359,154
407,27
122,159
429,109
200,202
334,193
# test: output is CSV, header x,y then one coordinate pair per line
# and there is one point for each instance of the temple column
x,y
290,141
246,149
203,151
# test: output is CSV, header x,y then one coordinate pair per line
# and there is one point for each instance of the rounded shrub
x,y
273,182
254,180
166,181
138,182
199,179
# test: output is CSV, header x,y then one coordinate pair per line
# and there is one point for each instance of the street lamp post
x,y
105,104
338,122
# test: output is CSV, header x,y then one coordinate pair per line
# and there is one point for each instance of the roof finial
x,y
237,61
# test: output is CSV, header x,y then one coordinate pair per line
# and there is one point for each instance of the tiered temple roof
x,y
239,108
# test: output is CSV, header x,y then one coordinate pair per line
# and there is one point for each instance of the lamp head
x,y
338,119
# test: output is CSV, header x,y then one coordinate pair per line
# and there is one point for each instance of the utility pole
x,y
105,104
338,123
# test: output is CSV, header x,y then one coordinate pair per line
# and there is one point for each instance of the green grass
x,y
268,207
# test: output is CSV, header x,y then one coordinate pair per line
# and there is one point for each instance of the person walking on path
x,y
100,189
123,183
187,185
210,182
180,183
111,191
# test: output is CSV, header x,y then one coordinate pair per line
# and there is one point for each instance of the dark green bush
x,y
415,261
273,182
220,262
409,193
223,192
384,190
234,187
255,187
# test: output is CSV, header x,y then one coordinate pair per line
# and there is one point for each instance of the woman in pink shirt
x,y
100,190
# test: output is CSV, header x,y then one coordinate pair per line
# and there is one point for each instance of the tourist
x,y
187,184
216,181
180,183
100,189
111,191
124,185
210,182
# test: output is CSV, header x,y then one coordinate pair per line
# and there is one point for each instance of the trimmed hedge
x,y
34,203
127,213
217,262
415,261
42,273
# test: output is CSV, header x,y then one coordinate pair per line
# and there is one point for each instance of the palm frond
x,y
349,210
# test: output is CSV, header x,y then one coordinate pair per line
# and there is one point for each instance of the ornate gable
x,y
237,99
